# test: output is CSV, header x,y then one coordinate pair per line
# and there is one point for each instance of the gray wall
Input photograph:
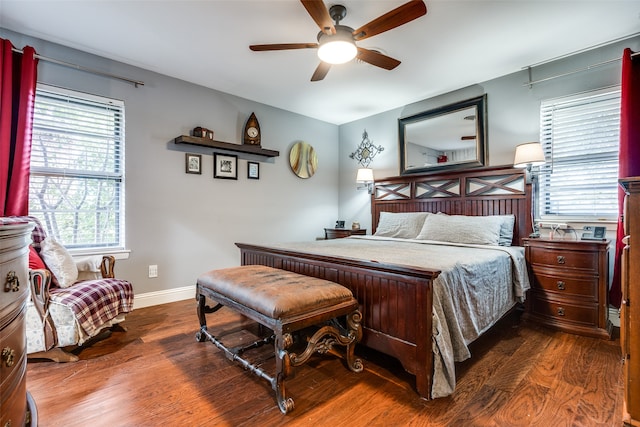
x,y
512,115
188,224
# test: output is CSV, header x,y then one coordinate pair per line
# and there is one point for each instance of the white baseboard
x,y
163,297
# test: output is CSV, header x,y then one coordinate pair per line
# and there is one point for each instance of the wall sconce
x,y
528,155
364,179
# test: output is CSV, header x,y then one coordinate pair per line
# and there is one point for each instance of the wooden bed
x,y
396,300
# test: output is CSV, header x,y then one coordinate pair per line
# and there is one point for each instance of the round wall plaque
x,y
303,160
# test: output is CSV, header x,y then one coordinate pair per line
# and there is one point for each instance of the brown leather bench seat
x,y
286,303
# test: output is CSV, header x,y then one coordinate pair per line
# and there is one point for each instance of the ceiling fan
x,y
343,38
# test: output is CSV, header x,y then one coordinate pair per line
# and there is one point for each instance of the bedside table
x,y
339,233
569,285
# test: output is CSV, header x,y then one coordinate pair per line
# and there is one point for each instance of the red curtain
x,y
629,162
17,95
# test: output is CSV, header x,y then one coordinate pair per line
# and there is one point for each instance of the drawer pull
x,y
12,284
560,311
561,285
560,259
8,356
7,424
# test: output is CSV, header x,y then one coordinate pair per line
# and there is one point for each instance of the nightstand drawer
x,y
586,315
586,261
550,281
339,233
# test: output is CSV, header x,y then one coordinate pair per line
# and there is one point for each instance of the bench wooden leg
x,y
333,333
203,309
354,332
283,369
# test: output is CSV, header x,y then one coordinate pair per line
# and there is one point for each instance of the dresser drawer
x,y
13,407
585,315
13,351
586,261
14,283
550,281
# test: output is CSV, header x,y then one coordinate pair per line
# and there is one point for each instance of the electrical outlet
x,y
153,271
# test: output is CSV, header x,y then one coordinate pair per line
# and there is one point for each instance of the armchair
x,y
59,317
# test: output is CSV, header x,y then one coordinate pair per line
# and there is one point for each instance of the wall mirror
x,y
449,137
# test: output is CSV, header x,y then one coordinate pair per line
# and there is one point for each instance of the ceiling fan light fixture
x,y
337,48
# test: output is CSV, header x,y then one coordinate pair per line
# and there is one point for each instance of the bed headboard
x,y
483,191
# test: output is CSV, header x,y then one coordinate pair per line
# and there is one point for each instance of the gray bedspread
x,y
476,287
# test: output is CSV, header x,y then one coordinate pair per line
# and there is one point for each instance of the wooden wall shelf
x,y
210,143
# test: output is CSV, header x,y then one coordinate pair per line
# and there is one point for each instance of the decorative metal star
x,y
366,151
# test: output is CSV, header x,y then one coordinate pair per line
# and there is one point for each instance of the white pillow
x,y
403,225
478,230
59,262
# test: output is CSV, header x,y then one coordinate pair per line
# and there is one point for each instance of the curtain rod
x,y
136,83
530,83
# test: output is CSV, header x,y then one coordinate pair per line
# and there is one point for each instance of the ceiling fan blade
x,y
390,20
321,71
282,46
377,59
320,14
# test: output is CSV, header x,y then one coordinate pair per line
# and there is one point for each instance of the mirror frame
x,y
481,135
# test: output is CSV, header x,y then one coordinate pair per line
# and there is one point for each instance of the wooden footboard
x,y
395,302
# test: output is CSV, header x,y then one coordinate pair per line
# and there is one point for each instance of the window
x,y
77,168
580,136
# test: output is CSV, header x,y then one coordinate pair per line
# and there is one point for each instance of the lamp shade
x,y
337,48
364,175
529,154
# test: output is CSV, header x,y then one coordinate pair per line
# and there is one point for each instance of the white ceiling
x,y
458,43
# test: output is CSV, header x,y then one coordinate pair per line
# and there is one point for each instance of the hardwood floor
x,y
156,374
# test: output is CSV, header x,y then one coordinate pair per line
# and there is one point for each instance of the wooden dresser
x,y
569,285
16,408
630,308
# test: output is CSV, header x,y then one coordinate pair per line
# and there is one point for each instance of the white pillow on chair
x,y
59,262
89,267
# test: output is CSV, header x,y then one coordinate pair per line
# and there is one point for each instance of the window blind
x,y
77,168
580,136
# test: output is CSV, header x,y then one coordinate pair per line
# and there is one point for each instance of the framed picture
x,y
193,163
253,170
225,166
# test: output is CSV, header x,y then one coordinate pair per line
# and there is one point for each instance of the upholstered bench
x,y
287,303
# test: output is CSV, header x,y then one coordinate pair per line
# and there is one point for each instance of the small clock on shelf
x,y
251,134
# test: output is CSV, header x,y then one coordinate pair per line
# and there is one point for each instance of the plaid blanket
x,y
95,302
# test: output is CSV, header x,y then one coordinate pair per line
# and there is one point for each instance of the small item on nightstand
x,y
355,225
339,224
594,233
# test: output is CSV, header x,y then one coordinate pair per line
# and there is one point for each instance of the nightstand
x,y
339,233
569,285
